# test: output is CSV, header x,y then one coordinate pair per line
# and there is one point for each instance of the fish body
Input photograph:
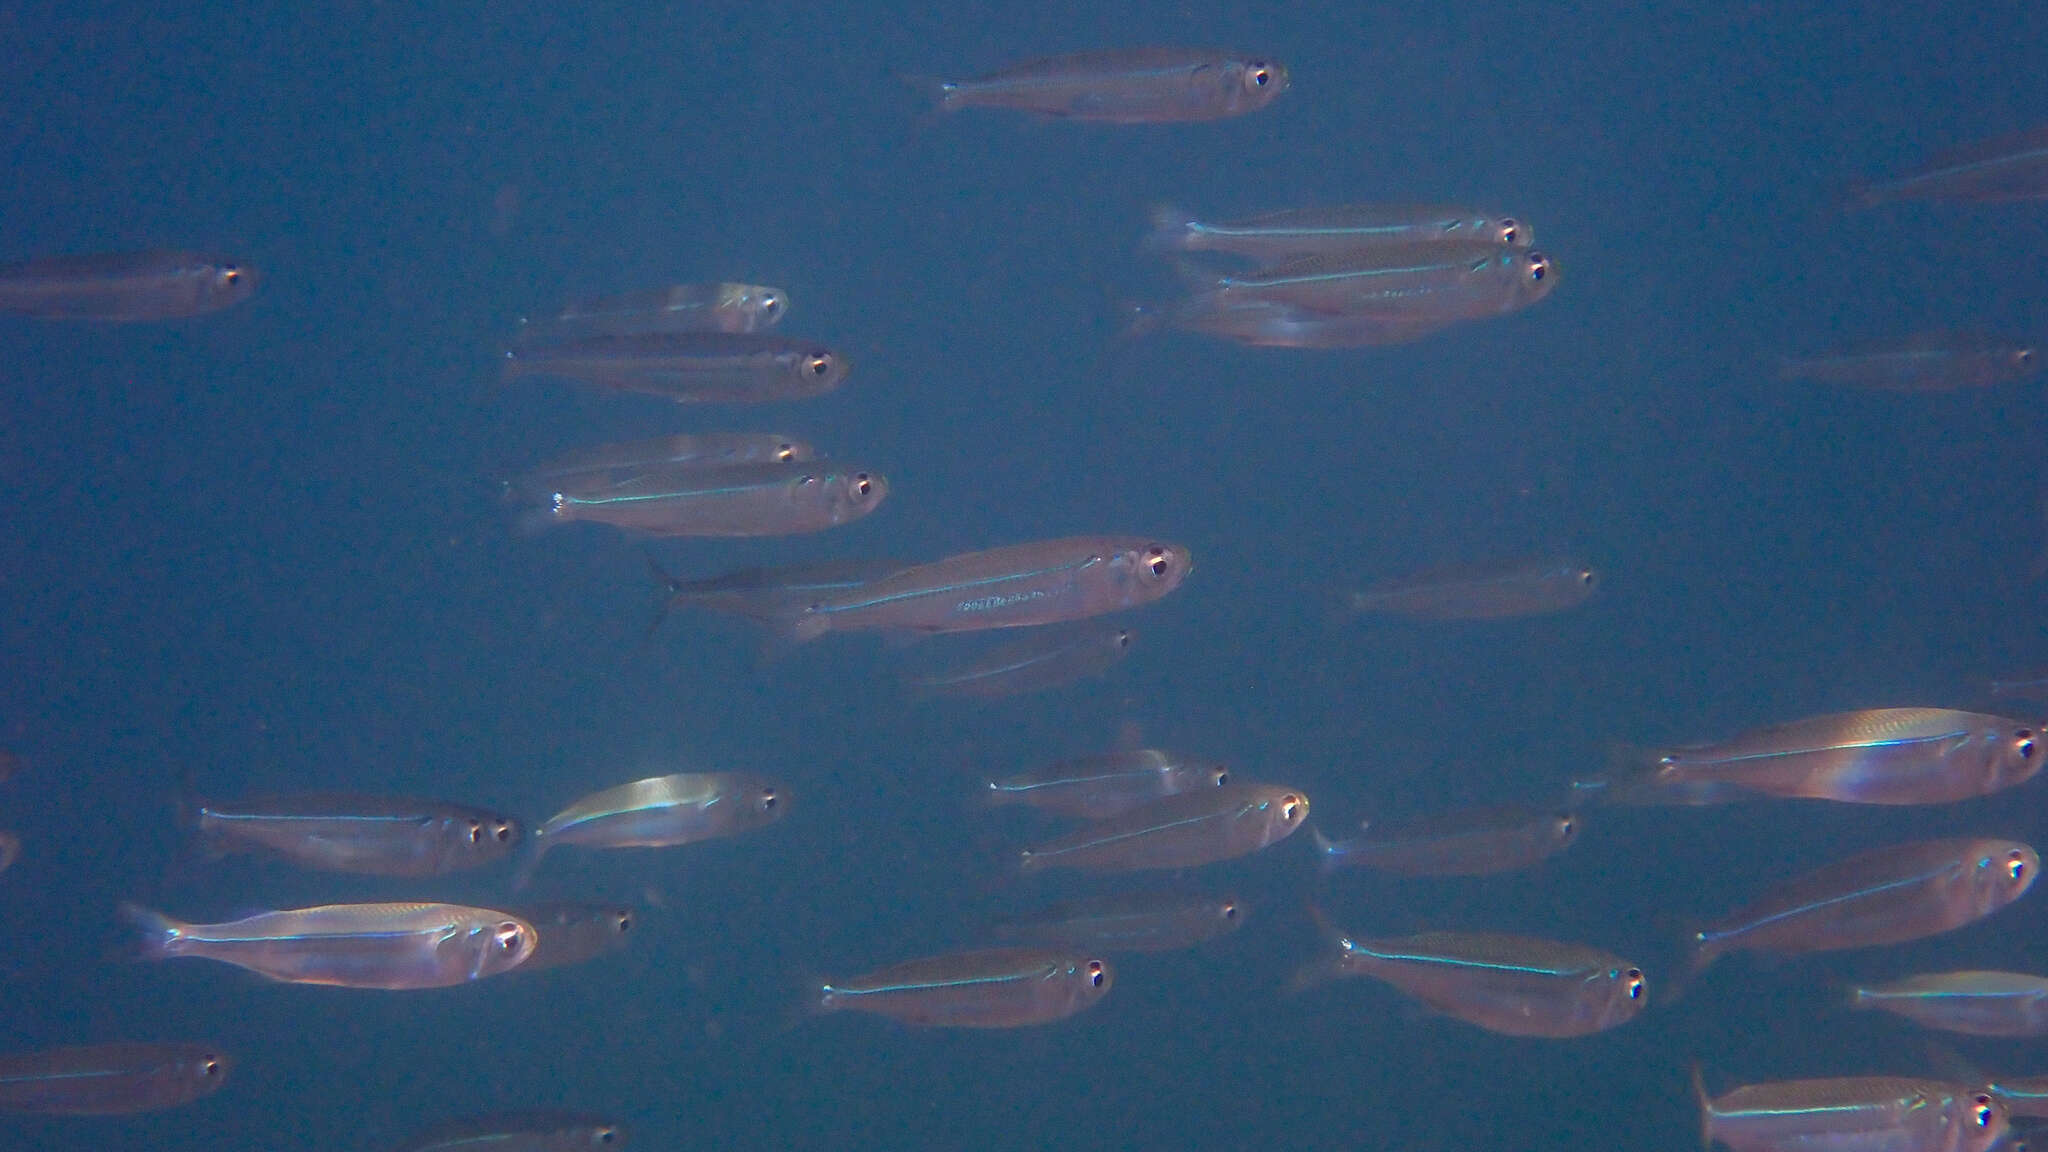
x,y
521,1131
1183,831
1942,362
1516,985
599,466
662,812
388,946
1412,284
675,308
367,835
767,595
575,933
739,500
1853,1114
1973,1003
1036,663
2002,170
1889,896
689,367
1874,756
1275,237
1134,86
1111,784
124,287
994,988
1465,842
1023,585
1488,590
109,1079
1129,922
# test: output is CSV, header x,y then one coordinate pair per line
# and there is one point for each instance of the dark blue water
x,y
263,550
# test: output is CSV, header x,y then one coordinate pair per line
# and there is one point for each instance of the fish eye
x,y
1220,777
2024,357
624,920
503,832
2015,867
1567,827
862,484
1230,909
1096,975
2025,747
1155,559
818,364
1539,267
1123,638
509,935
771,304
1634,978
1292,807
1260,77
785,453
768,800
476,832
210,1066
606,1135
230,273
1509,230
1983,1112
1586,577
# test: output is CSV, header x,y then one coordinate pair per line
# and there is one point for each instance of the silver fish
x,y
1931,362
109,1079
1130,86
522,1131
661,812
996,988
689,367
601,464
1462,842
1184,831
1974,1003
1486,590
1106,785
389,946
367,835
740,500
1878,1113
124,287
1129,922
676,308
1514,985
1036,663
1295,232
1412,284
575,933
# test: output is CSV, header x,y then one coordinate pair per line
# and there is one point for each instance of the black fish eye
x,y
231,273
606,1135
503,832
1095,973
1155,559
209,1067
771,303
2015,866
1222,777
768,799
1566,827
1230,909
476,832
2026,748
1260,77
2024,357
625,921
818,365
1123,638
1586,577
862,484
785,453
1538,268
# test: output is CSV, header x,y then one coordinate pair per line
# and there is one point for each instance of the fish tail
x,y
1172,230
1329,854
789,631
1138,320
943,94
1326,967
671,590
1699,1094
155,931
532,522
531,863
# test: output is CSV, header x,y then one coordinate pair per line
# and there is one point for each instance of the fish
x,y
1514,985
1184,831
521,1131
675,308
1037,663
1462,842
1274,237
1929,362
992,988
765,595
575,933
366,835
1887,896
385,946
689,367
110,1079
1880,1113
1486,590
1974,1003
1127,922
1412,284
740,500
1872,756
1106,785
661,812
1023,585
1128,86
10,849
2005,169
125,287
602,464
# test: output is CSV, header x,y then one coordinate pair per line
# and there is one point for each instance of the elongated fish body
x,y
1875,756
1036,663
109,1079
388,946
1184,831
662,812
996,988
521,1131
1488,590
1854,1114
1020,586
737,501
1516,985
1889,896
600,466
124,287
1465,842
1108,785
368,835
766,595
1944,362
1275,237
689,367
1973,1003
1272,323
2002,170
1135,86
10,849
2022,1095
1127,922
1437,283
676,308
571,932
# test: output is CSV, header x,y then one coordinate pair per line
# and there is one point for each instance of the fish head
x,y
499,944
1259,82
814,371
2025,360
854,494
1285,809
760,305
2001,872
2016,756
224,282
1186,777
1535,275
205,1066
1230,913
1091,978
1152,570
757,803
1623,992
